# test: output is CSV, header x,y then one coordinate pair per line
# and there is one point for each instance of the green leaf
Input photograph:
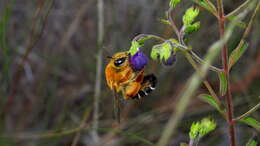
x,y
207,5
165,51
251,122
212,101
222,83
155,53
190,15
237,53
173,3
134,47
192,28
252,142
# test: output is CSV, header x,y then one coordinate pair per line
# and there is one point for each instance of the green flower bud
x,y
194,130
206,126
155,53
166,50
190,16
192,28
200,129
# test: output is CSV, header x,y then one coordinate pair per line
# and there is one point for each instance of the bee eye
x,y
119,61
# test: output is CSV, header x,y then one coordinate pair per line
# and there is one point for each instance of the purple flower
x,y
138,61
171,60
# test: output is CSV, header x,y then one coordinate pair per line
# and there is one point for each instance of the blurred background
x,y
49,71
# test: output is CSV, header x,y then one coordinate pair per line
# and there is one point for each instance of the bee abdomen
x,y
148,85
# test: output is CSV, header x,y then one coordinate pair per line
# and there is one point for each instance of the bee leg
x,y
132,89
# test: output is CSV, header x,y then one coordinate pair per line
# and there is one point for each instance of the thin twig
x,y
248,112
74,25
33,40
82,126
201,61
100,39
45,135
239,9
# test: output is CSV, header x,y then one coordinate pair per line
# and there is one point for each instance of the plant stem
x,y
173,24
136,38
224,54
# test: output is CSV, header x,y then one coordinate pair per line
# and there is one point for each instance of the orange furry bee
x,y
121,77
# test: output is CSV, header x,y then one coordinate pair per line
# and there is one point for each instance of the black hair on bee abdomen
x,y
151,78
148,85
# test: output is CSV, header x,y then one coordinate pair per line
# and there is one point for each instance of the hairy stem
x,y
201,61
224,54
140,36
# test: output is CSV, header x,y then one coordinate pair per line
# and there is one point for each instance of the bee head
x,y
120,59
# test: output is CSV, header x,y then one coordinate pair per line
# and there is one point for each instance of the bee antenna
x,y
109,57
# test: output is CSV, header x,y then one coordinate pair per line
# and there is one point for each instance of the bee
x,y
121,77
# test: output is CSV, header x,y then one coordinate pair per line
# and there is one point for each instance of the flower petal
x,y
171,60
138,61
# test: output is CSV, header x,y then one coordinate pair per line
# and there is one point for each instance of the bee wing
x,y
116,106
